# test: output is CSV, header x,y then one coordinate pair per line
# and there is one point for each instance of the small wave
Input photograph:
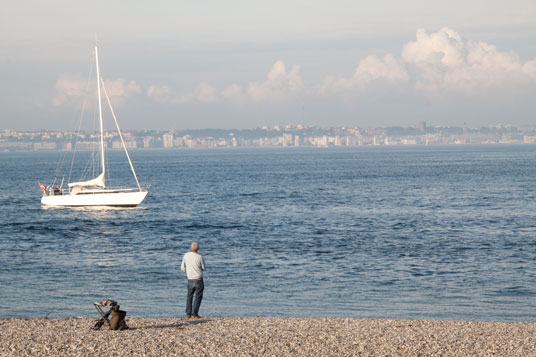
x,y
213,226
12,224
41,228
422,273
517,290
249,194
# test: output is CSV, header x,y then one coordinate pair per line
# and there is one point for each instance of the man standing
x,y
193,265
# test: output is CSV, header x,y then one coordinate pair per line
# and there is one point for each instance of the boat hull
x,y
116,199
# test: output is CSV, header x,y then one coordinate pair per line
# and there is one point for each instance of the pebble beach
x,y
258,336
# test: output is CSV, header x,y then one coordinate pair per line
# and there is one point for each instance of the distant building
x,y
529,139
188,142
168,140
89,145
147,142
409,141
178,142
421,126
321,141
130,144
46,145
287,140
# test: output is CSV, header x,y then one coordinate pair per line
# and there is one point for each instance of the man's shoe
x,y
188,316
196,317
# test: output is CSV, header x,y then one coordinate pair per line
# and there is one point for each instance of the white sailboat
x,y
95,192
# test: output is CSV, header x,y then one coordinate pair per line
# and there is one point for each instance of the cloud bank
x,y
432,65
443,61
278,85
371,69
71,90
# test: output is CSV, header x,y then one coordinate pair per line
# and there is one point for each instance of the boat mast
x,y
100,114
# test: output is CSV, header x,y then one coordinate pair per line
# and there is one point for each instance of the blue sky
x,y
243,64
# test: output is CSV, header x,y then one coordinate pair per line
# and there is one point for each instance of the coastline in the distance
x,y
269,137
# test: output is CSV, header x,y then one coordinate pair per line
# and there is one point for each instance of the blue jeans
x,y
195,287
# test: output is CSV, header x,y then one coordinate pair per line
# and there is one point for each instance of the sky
x,y
244,64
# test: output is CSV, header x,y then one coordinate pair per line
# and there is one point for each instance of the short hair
x,y
194,247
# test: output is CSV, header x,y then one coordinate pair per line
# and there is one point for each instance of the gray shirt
x,y
193,265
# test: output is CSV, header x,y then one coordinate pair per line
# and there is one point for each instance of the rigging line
x,y
108,174
120,135
91,161
59,165
89,169
92,164
82,113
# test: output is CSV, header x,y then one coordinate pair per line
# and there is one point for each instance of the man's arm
x,y
202,264
183,265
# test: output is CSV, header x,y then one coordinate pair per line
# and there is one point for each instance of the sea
x,y
366,232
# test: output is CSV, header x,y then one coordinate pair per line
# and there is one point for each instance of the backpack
x,y
117,322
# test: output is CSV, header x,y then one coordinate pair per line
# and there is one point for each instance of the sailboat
x,y
96,192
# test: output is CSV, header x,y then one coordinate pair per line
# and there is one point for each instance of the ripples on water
x,y
442,233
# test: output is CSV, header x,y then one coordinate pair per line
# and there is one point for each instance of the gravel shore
x,y
233,336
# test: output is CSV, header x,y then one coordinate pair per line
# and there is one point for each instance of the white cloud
x,y
529,68
442,48
433,64
371,69
233,93
443,61
204,92
119,89
158,93
72,90
438,63
69,90
278,85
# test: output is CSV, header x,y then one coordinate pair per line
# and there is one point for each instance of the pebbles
x,y
231,336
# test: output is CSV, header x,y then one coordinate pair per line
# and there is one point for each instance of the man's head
x,y
194,247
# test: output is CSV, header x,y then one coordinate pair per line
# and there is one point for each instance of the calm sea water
x,y
428,232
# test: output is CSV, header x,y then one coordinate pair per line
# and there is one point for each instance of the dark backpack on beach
x,y
117,322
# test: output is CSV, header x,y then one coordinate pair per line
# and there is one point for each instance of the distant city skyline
x,y
266,137
243,64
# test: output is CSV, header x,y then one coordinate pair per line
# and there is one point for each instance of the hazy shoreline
x,y
267,336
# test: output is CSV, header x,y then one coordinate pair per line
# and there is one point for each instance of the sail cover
x,y
97,181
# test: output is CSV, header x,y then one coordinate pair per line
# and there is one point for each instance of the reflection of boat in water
x,y
95,191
